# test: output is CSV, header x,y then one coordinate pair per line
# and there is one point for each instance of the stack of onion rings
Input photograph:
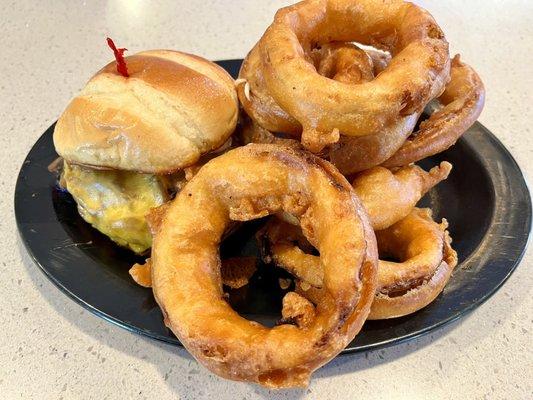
x,y
307,87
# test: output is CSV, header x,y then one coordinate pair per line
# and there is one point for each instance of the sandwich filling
x,y
116,202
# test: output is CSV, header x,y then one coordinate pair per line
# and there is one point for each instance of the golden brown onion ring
x,y
426,262
247,183
422,246
344,62
390,196
463,100
416,74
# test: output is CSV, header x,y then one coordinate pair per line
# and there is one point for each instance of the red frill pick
x,y
122,69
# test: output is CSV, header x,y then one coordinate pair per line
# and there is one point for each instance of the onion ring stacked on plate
x,y
248,183
462,100
423,248
404,232
390,196
322,107
358,107
426,262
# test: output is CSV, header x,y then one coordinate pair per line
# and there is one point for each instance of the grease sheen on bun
x,y
173,108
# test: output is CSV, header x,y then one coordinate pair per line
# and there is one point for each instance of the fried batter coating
x,y
425,263
243,184
142,273
298,310
236,272
462,102
389,196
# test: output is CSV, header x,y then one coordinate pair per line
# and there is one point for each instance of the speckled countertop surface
x,y
50,348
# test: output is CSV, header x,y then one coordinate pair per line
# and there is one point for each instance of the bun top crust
x,y
173,108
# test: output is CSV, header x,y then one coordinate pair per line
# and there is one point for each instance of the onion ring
x,y
390,196
463,100
426,263
246,183
416,74
344,62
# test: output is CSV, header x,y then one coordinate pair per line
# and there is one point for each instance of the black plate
x,y
485,200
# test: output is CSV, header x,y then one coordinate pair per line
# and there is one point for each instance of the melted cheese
x,y
116,202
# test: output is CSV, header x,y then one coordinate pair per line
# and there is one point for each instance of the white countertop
x,y
51,348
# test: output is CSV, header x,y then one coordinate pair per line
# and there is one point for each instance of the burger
x,y
127,138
